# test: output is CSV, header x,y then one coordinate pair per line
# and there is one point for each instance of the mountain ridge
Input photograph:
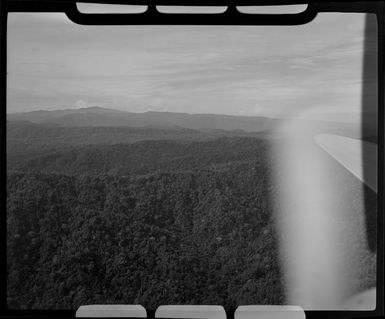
x,y
104,117
97,116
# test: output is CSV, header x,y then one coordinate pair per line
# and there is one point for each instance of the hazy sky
x,y
270,71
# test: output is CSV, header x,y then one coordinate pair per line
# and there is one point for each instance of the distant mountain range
x,y
97,116
27,132
104,117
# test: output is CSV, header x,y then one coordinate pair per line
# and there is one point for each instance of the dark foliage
x,y
138,158
189,224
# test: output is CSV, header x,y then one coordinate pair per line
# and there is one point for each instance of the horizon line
x,y
125,111
169,112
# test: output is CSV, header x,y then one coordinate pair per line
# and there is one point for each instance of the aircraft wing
x,y
360,158
357,156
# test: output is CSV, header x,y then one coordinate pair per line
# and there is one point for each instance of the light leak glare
x,y
312,245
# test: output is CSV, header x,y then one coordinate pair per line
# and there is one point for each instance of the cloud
x,y
80,104
203,69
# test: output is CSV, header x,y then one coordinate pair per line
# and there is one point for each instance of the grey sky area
x,y
308,71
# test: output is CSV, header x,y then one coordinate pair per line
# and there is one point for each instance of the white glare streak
x,y
307,215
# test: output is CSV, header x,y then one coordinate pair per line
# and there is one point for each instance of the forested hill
x,y
52,133
138,215
140,157
145,216
197,237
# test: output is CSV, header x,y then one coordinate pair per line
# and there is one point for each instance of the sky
x,y
311,71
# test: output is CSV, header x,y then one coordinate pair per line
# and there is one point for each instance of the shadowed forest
x,y
184,219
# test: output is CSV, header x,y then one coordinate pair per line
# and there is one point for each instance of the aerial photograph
x,y
191,165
